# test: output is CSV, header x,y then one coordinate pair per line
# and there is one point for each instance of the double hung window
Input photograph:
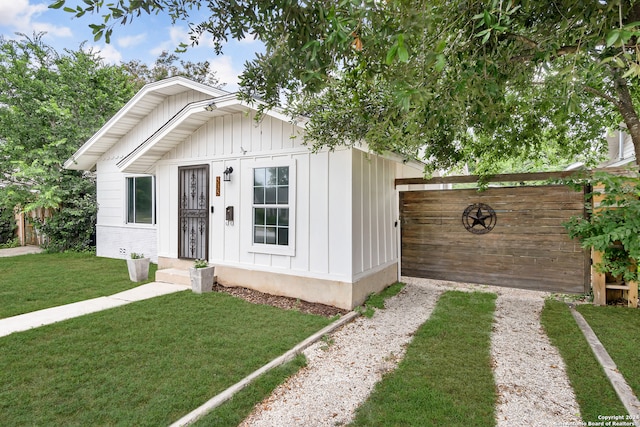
x,y
271,209
141,200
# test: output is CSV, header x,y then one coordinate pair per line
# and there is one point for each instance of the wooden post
x,y
632,295
632,292
598,280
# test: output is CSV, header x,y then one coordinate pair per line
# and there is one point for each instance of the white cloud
x,y
129,41
250,39
226,71
16,11
51,30
177,35
108,53
20,15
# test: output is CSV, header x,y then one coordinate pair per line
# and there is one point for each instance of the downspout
x,y
620,145
398,231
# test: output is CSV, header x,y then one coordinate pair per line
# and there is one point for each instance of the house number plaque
x,y
217,186
479,218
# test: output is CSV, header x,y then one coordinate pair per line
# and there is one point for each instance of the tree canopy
x,y
50,104
165,66
450,82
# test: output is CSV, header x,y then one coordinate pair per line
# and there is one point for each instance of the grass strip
x,y
616,328
594,392
37,281
445,377
376,300
143,364
234,411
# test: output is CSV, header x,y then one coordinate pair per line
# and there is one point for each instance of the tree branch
x,y
526,40
602,95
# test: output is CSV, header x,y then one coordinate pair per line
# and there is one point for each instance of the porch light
x,y
211,106
227,174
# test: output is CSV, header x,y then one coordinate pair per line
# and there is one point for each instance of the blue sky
x,y
144,39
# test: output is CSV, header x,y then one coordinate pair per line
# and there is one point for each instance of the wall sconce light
x,y
227,174
211,106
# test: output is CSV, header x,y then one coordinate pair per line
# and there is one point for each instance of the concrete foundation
x,y
341,294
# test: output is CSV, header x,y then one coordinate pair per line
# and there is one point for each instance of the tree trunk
x,y
629,114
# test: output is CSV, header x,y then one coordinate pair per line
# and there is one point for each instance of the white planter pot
x,y
138,269
202,279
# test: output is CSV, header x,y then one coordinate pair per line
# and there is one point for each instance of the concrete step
x,y
173,275
176,276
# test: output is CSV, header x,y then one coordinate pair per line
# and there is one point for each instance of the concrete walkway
x,y
20,250
47,316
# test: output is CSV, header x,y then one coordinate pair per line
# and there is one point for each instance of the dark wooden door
x,y
523,246
193,212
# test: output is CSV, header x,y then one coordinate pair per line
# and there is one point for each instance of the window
x,y
271,206
140,200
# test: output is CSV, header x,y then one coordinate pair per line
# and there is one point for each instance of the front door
x,y
193,212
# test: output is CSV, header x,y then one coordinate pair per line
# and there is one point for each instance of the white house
x,y
185,172
621,150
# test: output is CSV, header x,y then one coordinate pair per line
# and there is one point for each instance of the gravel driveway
x,y
531,381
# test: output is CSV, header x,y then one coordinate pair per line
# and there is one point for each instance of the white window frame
x,y
265,248
153,201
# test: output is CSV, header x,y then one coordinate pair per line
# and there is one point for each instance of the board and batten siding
x,y
114,237
323,195
374,212
343,229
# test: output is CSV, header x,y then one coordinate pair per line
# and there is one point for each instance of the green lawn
x,y
235,410
151,362
445,379
144,364
33,282
617,328
594,392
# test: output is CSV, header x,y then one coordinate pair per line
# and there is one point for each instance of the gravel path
x,y
340,375
529,372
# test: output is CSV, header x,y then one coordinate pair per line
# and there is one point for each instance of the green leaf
x,y
403,54
441,61
391,54
634,70
57,5
487,19
612,37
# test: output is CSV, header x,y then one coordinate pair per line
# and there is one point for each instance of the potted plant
x,y
612,228
138,267
202,275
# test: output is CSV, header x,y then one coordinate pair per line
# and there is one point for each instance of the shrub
x,y
614,227
72,226
7,225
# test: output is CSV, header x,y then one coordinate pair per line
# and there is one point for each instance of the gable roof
x,y
138,107
180,126
169,135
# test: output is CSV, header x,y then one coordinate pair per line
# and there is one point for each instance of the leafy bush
x,y
612,228
7,225
72,227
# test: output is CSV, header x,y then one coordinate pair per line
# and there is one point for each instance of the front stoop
x,y
176,276
173,275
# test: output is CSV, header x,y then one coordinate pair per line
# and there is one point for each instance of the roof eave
x,y
143,158
88,154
